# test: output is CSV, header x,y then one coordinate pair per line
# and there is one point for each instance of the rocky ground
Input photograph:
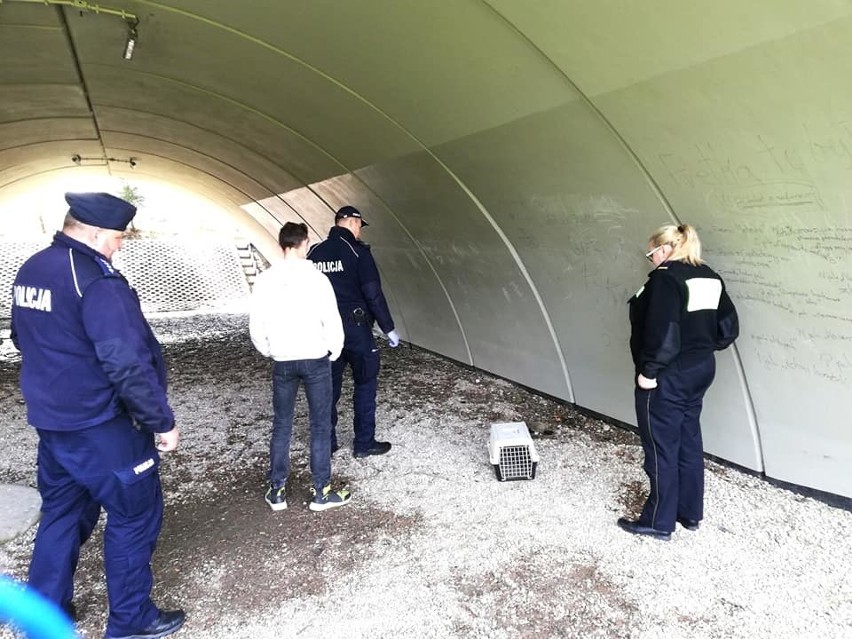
x,y
432,544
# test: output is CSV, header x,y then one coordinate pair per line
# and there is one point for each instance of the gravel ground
x,y
432,544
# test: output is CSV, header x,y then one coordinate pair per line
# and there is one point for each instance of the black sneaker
x,y
378,448
329,498
276,499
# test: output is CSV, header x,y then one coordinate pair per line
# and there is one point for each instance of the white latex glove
x,y
646,383
393,339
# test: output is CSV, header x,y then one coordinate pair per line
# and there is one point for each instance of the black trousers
x,y
670,430
361,354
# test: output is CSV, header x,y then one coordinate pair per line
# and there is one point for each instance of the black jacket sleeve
x,y
728,323
371,289
662,339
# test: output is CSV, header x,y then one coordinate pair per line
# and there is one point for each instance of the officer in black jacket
x,y
678,319
349,265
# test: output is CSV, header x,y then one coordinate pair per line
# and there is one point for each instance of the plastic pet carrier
x,y
512,451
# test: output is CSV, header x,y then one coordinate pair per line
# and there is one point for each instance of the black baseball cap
x,y
349,211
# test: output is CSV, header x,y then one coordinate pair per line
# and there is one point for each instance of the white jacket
x,y
294,314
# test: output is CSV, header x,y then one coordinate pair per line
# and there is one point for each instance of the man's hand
x,y
393,339
167,442
645,383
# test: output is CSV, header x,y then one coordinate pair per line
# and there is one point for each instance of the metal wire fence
x,y
168,274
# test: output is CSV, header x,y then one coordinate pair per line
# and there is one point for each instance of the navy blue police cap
x,y
349,211
100,209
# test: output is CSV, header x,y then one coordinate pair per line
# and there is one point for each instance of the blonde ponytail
x,y
686,247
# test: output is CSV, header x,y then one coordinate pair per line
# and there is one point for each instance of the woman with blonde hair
x,y
678,319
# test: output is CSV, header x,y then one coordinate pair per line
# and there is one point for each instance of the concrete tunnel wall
x,y
512,159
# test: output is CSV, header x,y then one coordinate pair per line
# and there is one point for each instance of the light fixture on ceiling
x,y
130,19
102,161
132,37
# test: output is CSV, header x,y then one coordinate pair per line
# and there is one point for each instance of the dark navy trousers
x,y
111,466
361,354
670,430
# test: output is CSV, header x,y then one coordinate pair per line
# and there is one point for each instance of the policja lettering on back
x,y
38,299
349,265
332,266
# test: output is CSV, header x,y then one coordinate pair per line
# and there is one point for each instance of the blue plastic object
x,y
31,613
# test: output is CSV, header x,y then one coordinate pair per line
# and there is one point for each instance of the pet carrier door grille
x,y
512,452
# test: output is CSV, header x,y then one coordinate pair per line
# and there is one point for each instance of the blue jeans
x,y
286,376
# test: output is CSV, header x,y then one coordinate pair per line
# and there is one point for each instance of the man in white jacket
x,y
294,320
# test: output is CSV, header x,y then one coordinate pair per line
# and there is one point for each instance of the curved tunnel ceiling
x,y
511,158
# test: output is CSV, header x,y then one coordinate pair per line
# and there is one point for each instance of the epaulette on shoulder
x,y
107,269
87,268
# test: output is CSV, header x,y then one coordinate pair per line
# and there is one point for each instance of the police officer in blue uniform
x,y
94,381
678,320
349,264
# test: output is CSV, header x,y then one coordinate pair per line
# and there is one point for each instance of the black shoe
x,y
689,524
638,529
167,622
378,448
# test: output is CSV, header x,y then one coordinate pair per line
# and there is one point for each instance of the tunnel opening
x,y
181,252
